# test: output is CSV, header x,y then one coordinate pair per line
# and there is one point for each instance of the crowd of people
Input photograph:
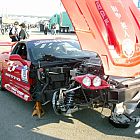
x,y
18,32
54,29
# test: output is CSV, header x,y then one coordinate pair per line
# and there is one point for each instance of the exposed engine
x,y
54,76
59,79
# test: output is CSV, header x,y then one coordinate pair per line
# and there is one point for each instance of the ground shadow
x,y
95,120
19,113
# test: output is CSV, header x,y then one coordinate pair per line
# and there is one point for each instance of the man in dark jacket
x,y
14,32
23,33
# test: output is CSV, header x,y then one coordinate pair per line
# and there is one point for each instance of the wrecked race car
x,y
103,71
35,69
56,70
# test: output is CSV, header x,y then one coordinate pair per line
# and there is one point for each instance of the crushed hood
x,y
110,28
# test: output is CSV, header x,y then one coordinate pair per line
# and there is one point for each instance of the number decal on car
x,y
11,66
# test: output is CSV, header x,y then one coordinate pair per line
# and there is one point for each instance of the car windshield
x,y
56,48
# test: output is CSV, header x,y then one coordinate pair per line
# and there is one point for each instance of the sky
x,y
30,7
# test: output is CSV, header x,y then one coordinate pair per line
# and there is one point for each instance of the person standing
x,y
14,32
53,29
57,28
45,29
23,33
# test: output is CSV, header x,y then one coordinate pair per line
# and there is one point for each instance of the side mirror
x,y
16,57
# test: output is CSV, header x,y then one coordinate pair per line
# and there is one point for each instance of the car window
x,y
57,48
40,49
21,50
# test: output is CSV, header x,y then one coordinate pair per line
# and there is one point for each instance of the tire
x,y
67,30
54,100
61,30
118,124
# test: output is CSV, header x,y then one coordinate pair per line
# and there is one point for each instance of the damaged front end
x,y
80,83
74,80
51,75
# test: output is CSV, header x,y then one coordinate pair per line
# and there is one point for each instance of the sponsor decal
x,y
24,74
17,92
103,14
123,24
107,23
44,42
12,77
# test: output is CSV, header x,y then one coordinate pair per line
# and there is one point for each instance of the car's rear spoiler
x,y
111,29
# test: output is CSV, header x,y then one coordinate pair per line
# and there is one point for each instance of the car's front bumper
x,y
126,93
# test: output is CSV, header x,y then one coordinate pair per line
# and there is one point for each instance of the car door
x,y
16,72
